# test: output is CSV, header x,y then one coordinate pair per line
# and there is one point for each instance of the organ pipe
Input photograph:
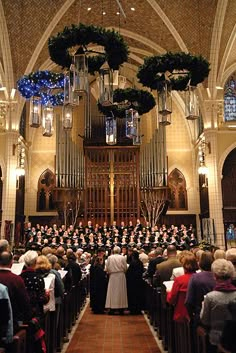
x,y
153,161
69,160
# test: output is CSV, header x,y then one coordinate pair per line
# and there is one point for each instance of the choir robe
x,y
116,267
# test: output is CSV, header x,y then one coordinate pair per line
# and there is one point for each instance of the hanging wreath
x,y
40,84
180,69
116,50
141,100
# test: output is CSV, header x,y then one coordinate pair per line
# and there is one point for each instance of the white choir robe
x,y
116,267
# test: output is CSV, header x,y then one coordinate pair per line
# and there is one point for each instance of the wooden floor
x,y
112,334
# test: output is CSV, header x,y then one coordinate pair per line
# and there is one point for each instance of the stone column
x,y
9,181
214,186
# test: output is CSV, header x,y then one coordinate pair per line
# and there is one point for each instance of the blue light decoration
x,y
40,84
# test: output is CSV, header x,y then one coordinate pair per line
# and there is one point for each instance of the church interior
x,y
116,111
172,150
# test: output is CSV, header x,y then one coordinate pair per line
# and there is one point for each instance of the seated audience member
x,y
43,266
231,256
179,271
6,319
177,295
4,245
60,253
135,284
17,292
219,254
164,269
79,253
199,285
215,311
143,257
156,259
34,284
227,340
99,285
74,268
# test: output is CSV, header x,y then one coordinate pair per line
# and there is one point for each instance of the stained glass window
x,y
230,99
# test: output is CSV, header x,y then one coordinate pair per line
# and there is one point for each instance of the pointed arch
x,y
177,184
46,184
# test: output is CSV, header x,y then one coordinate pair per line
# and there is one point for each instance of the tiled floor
x,y
112,334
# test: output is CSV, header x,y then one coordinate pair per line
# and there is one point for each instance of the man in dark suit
x,y
158,258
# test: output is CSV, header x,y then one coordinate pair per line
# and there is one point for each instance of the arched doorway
x,y
229,197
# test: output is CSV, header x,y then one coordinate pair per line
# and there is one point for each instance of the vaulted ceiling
x,y
205,27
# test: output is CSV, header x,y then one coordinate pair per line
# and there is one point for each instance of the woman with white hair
x,y
215,311
34,284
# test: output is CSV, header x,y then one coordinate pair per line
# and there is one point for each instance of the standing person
x,y
135,284
117,292
215,311
19,298
164,269
99,286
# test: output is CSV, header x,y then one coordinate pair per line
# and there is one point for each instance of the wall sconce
x,y
203,170
19,148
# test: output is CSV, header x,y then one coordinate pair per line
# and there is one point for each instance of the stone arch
x,y
228,186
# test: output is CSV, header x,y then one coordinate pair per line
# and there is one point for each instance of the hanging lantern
x,y
35,112
136,123
191,104
80,72
67,117
47,121
105,85
165,99
70,97
164,119
131,118
111,130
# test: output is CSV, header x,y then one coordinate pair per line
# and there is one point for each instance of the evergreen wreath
x,y
142,101
116,49
39,84
189,69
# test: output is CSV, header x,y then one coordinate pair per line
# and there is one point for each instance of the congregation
x,y
121,261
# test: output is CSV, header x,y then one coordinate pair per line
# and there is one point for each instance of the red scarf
x,y
225,286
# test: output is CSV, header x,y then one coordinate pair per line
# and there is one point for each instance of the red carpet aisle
x,y
112,334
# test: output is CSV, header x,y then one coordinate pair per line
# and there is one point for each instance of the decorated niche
x,y
46,184
177,185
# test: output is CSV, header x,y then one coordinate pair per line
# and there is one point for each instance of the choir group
x,y
91,238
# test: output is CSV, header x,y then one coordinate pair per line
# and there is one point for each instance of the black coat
x,y
135,286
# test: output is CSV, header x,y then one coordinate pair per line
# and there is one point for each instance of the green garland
x,y
142,101
152,73
116,49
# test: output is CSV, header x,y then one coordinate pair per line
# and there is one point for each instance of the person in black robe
x,y
99,285
135,285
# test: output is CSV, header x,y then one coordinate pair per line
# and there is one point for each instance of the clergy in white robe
x,y
116,267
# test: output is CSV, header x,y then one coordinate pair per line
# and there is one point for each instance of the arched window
x,y
230,99
46,185
177,184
